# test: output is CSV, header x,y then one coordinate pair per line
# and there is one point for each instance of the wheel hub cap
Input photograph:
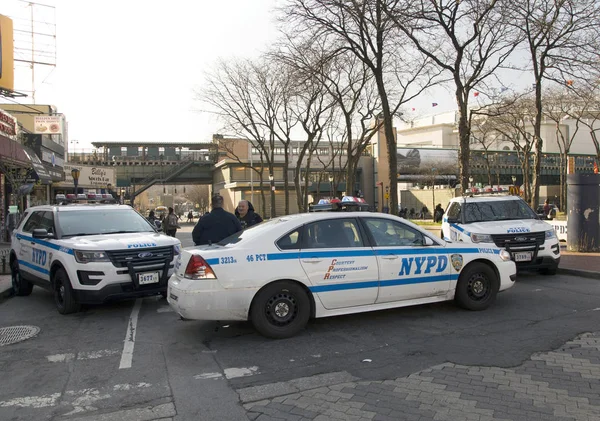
x,y
282,310
478,287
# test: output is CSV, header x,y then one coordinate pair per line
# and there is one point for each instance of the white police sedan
x,y
282,272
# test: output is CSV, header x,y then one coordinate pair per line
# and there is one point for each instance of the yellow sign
x,y
7,65
387,195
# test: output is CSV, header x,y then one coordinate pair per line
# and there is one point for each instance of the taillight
x,y
197,268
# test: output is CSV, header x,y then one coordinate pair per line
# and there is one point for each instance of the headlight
x,y
481,238
550,234
177,249
83,256
504,255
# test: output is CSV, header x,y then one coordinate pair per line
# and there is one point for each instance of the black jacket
x,y
215,226
251,218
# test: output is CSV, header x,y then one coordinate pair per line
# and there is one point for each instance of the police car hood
x,y
130,240
507,227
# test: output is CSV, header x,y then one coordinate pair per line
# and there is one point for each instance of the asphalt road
x,y
105,363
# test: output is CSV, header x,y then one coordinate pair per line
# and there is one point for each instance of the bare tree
x,y
248,96
364,30
485,136
561,38
198,195
559,106
513,119
468,40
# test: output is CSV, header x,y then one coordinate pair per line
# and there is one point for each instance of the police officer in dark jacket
x,y
246,214
215,226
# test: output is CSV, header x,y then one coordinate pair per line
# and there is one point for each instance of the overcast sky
x,y
127,69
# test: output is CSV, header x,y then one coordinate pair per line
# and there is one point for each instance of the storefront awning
x,y
39,170
13,152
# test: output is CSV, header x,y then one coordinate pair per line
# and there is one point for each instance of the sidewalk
x,y
5,285
580,264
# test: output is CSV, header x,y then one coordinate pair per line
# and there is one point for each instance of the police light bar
x,y
84,198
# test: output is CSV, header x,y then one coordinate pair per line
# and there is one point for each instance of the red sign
x,y
8,125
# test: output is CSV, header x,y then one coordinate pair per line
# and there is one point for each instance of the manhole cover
x,y
13,334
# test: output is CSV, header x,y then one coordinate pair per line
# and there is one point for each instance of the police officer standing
x,y
216,225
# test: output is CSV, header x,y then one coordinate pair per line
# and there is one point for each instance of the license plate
x,y
524,256
148,278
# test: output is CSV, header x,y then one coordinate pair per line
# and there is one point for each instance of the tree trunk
x,y
539,143
306,181
300,193
263,199
286,193
464,134
390,140
349,158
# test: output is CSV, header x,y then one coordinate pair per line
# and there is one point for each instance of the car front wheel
x,y
280,310
20,286
63,293
477,287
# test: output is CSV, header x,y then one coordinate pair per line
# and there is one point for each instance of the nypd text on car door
x,y
408,267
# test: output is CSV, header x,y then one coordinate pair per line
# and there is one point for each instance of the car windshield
x,y
102,221
498,211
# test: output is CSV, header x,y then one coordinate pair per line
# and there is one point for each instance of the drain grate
x,y
13,334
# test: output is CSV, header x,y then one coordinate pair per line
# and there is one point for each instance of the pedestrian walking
x,y
190,216
170,223
216,225
246,214
438,213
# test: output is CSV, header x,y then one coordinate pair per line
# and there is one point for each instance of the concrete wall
x,y
416,198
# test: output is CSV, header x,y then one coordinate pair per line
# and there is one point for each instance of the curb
x,y
577,272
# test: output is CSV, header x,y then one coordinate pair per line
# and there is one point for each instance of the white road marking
x,y
595,309
32,401
165,309
81,400
204,376
84,355
60,358
232,373
127,355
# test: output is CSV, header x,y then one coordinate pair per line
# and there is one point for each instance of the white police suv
x,y
282,272
507,222
90,253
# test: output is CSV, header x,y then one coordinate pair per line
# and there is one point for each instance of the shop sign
x,y
91,176
47,124
8,125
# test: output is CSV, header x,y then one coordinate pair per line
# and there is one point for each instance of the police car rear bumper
x,y
207,300
117,292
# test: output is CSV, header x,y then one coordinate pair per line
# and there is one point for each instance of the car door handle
x,y
311,260
389,257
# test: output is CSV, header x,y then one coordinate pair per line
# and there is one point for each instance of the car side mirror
x,y
428,241
41,233
452,220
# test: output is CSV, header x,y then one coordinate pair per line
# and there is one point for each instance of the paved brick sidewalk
x,y
552,386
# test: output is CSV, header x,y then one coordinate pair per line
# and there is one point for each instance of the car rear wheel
x,y
20,286
63,293
477,287
280,310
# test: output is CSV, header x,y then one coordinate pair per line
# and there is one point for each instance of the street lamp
x,y
471,181
387,199
331,185
75,174
514,179
272,195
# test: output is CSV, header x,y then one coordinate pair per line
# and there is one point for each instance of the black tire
x,y
164,294
477,287
21,286
549,271
280,310
63,293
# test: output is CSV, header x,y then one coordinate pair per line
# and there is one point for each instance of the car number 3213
x,y
228,259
